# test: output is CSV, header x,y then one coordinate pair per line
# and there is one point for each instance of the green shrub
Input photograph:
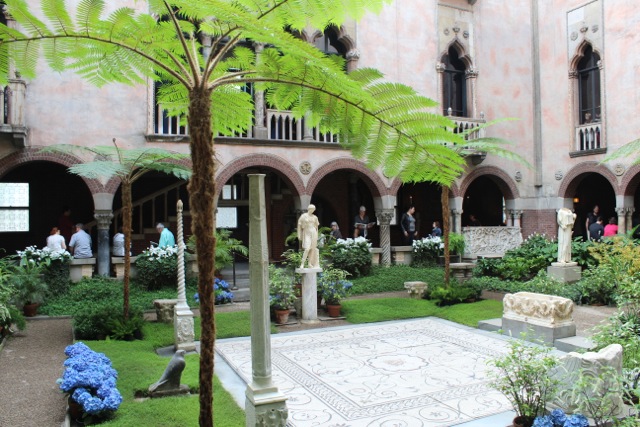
x,y
100,319
442,296
622,328
541,284
158,267
392,278
352,255
426,251
597,286
56,275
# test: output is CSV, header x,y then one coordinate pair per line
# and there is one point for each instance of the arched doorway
x,y
425,196
485,201
592,189
51,188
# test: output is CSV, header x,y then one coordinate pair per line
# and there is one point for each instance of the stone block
x,y
565,272
164,309
415,289
118,265
81,267
402,255
491,325
376,253
461,271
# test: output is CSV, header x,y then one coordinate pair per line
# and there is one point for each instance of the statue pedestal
x,y
567,272
183,329
309,294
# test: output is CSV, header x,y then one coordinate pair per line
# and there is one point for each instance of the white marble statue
x,y
566,219
308,235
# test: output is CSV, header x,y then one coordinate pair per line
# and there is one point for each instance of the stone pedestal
x,y
415,289
118,265
265,407
81,267
164,309
461,271
183,329
309,294
402,255
542,317
567,272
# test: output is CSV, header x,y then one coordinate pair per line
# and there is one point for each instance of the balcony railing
x,y
589,137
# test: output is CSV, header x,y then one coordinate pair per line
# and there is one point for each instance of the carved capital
x,y
573,74
456,212
440,67
621,211
471,73
352,55
385,216
631,210
516,214
103,218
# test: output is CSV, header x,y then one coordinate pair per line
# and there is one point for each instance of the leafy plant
x,y
599,396
53,265
28,285
456,243
158,267
621,328
281,290
126,329
426,251
443,296
523,375
333,285
597,286
226,247
352,255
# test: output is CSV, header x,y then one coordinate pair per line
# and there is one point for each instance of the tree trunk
x,y
444,201
126,229
202,191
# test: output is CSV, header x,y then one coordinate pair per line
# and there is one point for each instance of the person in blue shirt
x,y
80,243
437,231
166,236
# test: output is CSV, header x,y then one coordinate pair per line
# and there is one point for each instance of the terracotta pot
x,y
30,310
282,316
523,421
333,310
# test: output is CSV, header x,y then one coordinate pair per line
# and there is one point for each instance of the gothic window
x,y
329,42
589,87
454,88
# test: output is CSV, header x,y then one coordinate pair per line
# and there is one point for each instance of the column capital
x,y
103,218
516,213
385,216
631,210
622,211
456,211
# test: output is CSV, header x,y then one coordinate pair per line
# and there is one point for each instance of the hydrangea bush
x,y
158,267
352,255
558,418
426,251
53,265
221,291
42,257
90,380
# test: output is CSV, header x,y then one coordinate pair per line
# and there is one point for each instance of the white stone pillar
x,y
622,217
384,218
260,126
264,405
629,219
183,330
456,220
309,294
103,219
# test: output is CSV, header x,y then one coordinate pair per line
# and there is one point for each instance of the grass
x,y
384,309
389,279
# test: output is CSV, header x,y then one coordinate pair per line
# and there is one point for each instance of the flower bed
x,y
221,292
90,380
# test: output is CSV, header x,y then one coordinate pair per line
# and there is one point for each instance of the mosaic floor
x,y
417,373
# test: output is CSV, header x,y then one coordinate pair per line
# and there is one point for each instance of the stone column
x,y
629,219
622,217
384,217
103,218
183,330
264,405
517,217
309,294
456,220
260,126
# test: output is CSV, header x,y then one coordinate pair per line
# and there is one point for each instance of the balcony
x,y
588,139
12,122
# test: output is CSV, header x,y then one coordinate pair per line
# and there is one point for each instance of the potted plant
x,y
29,288
523,375
334,288
281,293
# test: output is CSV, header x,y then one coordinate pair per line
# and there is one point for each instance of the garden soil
x,y
31,362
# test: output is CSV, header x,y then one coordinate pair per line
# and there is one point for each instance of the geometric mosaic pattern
x,y
417,373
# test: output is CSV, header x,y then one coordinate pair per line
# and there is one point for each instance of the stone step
x,y
575,343
491,325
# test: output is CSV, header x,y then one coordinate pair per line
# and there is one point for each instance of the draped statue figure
x,y
566,219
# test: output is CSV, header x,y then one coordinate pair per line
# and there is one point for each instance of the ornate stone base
x,y
309,294
265,407
461,271
184,389
183,332
164,309
568,272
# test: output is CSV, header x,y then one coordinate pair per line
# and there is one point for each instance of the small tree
x,y
128,166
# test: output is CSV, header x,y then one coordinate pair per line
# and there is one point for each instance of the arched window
x,y
454,85
589,87
329,42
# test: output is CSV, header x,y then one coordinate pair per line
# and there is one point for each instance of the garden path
x,y
30,363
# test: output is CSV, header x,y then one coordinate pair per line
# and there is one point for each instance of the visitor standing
x,y
55,241
80,243
166,236
65,224
592,218
408,225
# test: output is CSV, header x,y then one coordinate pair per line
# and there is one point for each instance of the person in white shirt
x,y
118,244
55,241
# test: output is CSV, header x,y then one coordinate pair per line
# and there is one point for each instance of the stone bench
x,y
401,255
81,267
164,309
461,271
416,289
118,266
376,254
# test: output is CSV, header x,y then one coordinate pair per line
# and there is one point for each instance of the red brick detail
x,y
33,154
630,181
539,221
397,183
278,164
498,176
370,178
574,177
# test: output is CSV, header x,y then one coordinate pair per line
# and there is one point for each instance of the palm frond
x,y
630,150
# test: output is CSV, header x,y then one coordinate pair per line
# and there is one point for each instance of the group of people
x,y
595,228
79,245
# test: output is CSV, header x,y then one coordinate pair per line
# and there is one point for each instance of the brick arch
x,y
498,176
630,181
397,183
371,179
35,154
573,178
276,163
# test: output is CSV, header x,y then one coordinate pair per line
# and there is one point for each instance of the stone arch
x,y
498,176
572,178
462,53
577,57
630,181
289,174
372,180
35,154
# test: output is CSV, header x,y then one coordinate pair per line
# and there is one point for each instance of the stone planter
x,y
333,310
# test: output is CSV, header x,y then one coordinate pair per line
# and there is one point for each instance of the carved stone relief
x,y
539,309
491,240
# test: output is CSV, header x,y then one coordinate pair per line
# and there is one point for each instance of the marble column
x,y
183,329
384,218
517,218
265,405
260,126
622,220
103,218
629,218
456,220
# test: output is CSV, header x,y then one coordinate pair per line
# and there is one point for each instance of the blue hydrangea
x,y
221,291
90,380
558,417
543,421
576,420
